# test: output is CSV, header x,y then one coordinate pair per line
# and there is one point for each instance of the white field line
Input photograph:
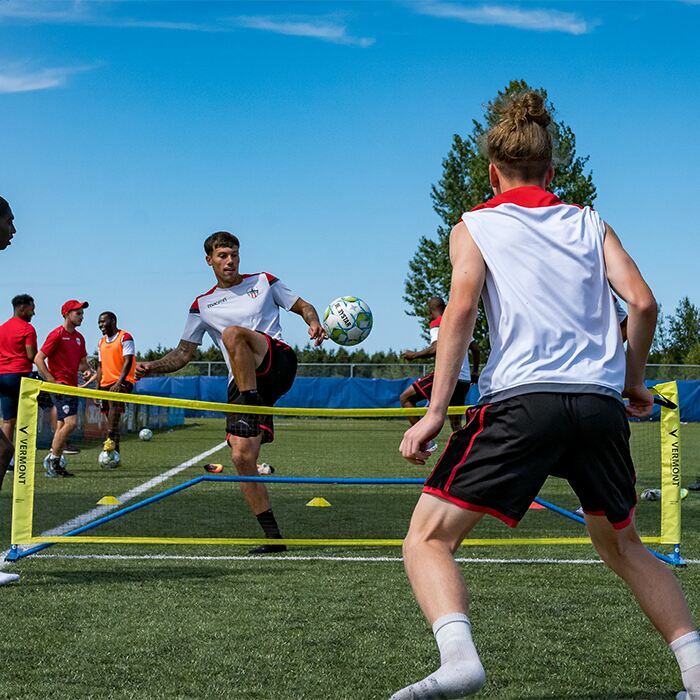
x,y
295,557
130,495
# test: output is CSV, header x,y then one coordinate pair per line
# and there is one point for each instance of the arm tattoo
x,y
176,359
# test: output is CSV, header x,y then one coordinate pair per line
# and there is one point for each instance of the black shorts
x,y
499,461
424,388
9,393
66,406
105,405
275,377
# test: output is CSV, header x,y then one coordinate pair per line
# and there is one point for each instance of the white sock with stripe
x,y
460,672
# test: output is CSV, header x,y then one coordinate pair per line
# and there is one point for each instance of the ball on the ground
x,y
347,320
214,468
145,434
62,462
109,458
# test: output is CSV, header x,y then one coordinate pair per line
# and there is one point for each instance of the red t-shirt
x,y
15,335
64,351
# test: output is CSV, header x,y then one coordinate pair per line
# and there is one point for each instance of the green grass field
x,y
164,624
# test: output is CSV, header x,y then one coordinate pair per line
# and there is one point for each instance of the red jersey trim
x,y
271,279
528,196
436,322
194,309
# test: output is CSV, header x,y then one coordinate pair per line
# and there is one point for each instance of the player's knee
x,y
234,335
621,547
407,399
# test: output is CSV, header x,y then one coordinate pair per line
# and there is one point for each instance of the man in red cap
x,y
64,349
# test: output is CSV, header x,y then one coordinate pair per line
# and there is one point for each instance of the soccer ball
x,y
347,321
46,462
109,460
145,434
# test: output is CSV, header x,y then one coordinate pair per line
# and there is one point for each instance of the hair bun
x,y
527,107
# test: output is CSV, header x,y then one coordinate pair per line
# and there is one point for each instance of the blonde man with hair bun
x,y
551,396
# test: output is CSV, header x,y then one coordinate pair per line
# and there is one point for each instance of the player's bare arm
x,y
468,274
308,313
171,362
128,362
40,362
428,351
627,281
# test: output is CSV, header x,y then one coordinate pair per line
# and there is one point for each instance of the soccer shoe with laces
x,y
70,449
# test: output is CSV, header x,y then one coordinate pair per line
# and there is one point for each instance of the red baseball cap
x,y
73,305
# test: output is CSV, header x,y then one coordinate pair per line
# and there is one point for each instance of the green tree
x,y
677,338
464,184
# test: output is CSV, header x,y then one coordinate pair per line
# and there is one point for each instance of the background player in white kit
x,y
241,315
551,397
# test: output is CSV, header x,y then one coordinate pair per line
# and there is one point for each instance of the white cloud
x,y
311,28
508,16
13,79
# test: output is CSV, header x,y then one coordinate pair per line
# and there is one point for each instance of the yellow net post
x,y
25,456
670,468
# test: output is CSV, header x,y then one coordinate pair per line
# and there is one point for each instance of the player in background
x,y
422,388
241,315
7,231
17,351
59,360
116,371
551,397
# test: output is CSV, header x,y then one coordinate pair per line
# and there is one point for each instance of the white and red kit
x,y
254,303
464,371
552,321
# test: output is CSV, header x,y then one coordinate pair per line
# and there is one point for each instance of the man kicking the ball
x,y
551,397
241,315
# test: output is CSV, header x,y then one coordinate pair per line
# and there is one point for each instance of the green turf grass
x,y
287,629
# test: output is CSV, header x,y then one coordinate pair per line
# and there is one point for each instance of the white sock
x,y
687,651
460,672
7,578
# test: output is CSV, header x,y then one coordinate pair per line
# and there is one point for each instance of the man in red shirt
x,y
64,348
17,350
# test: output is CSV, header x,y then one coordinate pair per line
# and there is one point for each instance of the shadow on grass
x,y
154,574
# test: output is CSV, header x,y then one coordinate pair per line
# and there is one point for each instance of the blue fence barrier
x,y
343,392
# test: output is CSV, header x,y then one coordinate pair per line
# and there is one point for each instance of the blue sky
x,y
314,131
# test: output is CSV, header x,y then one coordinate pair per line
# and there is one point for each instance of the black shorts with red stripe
x,y
499,461
275,377
424,388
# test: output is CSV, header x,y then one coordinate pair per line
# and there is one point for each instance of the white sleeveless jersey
x,y
550,310
465,373
254,303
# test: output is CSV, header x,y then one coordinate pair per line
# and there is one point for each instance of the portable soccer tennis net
x,y
337,479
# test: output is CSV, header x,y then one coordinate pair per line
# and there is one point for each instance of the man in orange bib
x,y
116,372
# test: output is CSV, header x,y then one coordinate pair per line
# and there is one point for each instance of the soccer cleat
x,y
214,468
268,549
109,445
62,471
70,449
650,494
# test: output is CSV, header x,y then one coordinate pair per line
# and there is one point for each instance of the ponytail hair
x,y
520,144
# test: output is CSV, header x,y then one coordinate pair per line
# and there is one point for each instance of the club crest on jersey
x,y
253,292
